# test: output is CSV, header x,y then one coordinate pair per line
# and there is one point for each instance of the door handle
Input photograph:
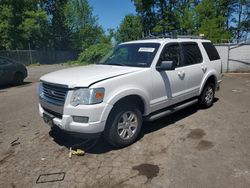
x,y
181,74
204,68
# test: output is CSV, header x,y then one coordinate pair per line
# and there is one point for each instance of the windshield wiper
x,y
119,64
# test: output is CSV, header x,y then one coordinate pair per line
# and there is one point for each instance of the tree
x,y
58,30
20,23
185,14
210,22
33,27
48,24
240,19
219,20
146,10
129,29
5,26
167,20
83,25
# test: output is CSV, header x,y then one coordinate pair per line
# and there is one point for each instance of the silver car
x,y
11,72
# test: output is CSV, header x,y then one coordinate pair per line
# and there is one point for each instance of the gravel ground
x,y
191,148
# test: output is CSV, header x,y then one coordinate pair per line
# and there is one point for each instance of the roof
x,y
165,40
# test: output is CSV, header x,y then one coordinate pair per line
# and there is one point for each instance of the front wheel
x,y
123,125
207,96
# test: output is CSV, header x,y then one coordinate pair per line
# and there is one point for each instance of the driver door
x,y
169,86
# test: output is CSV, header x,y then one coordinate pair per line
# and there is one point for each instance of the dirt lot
x,y
191,148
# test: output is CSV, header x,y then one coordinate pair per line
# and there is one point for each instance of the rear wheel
x,y
207,95
18,78
123,125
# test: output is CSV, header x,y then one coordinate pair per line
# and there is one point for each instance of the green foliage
x,y
94,53
240,19
71,25
32,26
49,24
22,23
5,26
130,29
58,32
84,28
210,22
219,20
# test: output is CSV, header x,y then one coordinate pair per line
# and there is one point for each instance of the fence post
x,y
228,51
18,55
30,54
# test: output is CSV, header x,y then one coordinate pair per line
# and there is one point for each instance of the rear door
x,y
194,68
214,60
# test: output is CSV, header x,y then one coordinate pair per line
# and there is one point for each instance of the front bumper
x,y
96,113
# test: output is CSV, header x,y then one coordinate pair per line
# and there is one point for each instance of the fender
x,y
205,78
119,94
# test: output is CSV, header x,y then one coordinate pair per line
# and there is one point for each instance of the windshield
x,y
136,55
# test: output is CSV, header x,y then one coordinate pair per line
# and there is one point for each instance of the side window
x,y
172,53
192,53
3,62
211,51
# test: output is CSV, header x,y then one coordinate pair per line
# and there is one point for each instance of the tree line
x,y
71,25
218,20
49,24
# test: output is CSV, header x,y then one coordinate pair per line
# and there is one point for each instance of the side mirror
x,y
165,65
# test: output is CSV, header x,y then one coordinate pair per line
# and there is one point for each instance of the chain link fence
x,y
28,57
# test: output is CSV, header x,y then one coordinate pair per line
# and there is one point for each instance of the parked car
x,y
140,80
11,72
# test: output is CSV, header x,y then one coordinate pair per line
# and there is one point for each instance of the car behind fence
x,y
28,57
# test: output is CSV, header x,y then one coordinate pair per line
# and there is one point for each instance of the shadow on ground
x,y
7,86
99,145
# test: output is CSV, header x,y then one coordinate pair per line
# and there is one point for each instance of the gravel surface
x,y
191,148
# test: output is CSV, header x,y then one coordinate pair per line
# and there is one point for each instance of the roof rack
x,y
172,36
190,36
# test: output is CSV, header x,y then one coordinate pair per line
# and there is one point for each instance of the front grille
x,y
55,94
58,115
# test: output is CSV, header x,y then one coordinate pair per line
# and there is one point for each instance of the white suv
x,y
140,80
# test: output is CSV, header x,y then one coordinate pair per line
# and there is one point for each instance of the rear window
x,y
192,53
211,51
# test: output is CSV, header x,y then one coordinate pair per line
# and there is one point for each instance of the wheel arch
x,y
134,96
132,99
18,72
211,77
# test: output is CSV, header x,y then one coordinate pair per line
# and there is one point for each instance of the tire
x,y
207,96
123,125
18,78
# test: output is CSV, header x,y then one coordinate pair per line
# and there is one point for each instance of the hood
x,y
84,76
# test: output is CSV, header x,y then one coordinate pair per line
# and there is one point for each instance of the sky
x,y
110,13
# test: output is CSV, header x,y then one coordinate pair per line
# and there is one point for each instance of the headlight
x,y
40,90
87,96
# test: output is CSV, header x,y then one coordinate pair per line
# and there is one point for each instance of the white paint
x,y
145,49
